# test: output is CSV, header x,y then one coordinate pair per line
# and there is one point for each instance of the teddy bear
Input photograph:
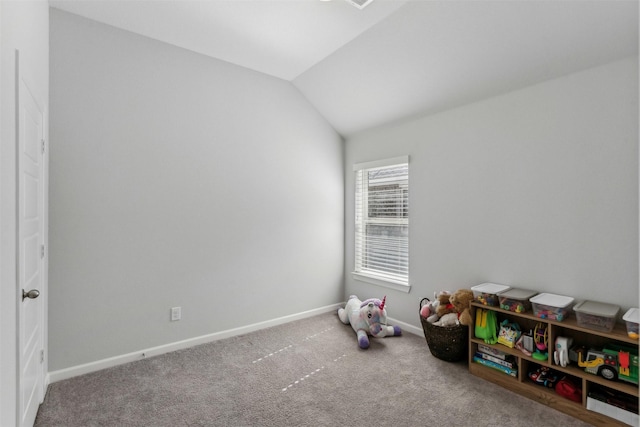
x,y
445,312
367,317
444,304
461,301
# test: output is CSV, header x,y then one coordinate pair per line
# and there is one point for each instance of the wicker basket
x,y
448,343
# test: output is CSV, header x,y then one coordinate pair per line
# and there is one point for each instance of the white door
x,y
30,255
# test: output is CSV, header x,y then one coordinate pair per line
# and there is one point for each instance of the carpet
x,y
309,372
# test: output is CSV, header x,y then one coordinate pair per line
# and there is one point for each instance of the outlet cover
x,y
176,313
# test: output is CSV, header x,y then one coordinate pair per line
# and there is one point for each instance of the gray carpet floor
x,y
305,373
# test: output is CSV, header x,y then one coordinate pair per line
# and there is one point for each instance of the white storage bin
x,y
612,411
516,300
632,319
596,315
551,306
487,293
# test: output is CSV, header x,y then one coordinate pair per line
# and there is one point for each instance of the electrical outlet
x,y
176,313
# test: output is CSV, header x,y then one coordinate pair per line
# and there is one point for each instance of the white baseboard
x,y
406,327
98,365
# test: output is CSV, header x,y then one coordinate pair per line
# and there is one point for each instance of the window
x,y
382,221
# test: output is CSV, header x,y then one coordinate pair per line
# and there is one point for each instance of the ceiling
x,y
393,59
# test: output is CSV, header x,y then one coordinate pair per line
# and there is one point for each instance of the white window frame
x,y
398,281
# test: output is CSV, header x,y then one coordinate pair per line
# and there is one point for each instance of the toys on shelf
x,y
525,343
561,353
486,326
612,362
509,333
540,337
544,376
545,352
569,388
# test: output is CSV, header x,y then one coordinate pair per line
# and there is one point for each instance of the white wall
x,y
24,26
181,180
537,189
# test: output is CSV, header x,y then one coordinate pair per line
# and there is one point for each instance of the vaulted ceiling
x,y
393,59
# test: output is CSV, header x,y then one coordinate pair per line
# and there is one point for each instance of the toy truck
x,y
612,362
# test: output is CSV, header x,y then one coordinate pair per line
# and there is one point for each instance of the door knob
x,y
32,294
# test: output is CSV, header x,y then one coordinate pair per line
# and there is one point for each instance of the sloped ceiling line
x,y
393,59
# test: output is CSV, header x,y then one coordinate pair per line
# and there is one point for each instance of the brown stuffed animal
x,y
444,304
461,300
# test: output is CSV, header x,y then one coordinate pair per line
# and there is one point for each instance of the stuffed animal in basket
x,y
461,300
449,319
447,315
428,310
444,304
367,317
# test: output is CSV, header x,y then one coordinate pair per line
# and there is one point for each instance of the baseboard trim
x,y
406,327
98,365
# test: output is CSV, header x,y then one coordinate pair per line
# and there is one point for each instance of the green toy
x,y
486,325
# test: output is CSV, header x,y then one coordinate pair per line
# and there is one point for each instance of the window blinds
x,y
382,220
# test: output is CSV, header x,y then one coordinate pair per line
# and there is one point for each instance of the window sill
x,y
398,286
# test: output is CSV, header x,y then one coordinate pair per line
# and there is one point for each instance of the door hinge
x,y
41,356
42,251
42,146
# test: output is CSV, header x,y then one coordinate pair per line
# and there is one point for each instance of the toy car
x,y
544,376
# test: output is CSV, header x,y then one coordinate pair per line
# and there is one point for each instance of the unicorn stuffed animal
x,y
367,317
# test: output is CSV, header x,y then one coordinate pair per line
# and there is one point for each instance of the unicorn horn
x,y
382,304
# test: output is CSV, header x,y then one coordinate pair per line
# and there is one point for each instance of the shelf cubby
x,y
547,396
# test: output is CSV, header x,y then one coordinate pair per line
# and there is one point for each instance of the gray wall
x,y
537,189
181,180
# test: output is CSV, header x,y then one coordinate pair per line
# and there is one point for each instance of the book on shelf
x,y
509,362
492,351
509,371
